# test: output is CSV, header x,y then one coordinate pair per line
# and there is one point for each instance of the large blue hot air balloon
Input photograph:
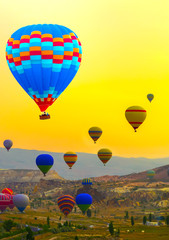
x,y
44,162
44,59
83,200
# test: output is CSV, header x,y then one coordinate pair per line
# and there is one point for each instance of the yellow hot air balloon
x,y
104,155
70,158
95,133
135,115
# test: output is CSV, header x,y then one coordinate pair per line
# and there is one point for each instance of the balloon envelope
x,y
150,174
66,204
104,155
135,115
70,158
44,59
4,202
44,162
168,171
21,201
150,97
83,201
86,181
11,204
95,133
8,144
7,191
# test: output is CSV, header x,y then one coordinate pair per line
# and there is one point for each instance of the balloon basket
x,y
44,116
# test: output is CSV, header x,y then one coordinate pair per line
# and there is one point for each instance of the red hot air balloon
x,y
4,202
7,191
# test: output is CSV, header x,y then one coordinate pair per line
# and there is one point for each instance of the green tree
x,y
75,210
167,220
89,213
144,220
48,221
29,236
132,220
117,234
150,217
76,238
127,215
111,228
60,218
7,225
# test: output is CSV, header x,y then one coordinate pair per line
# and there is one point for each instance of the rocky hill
x,y
23,175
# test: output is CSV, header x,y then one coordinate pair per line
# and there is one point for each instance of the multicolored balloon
x,y
135,115
70,158
86,181
104,155
44,59
4,202
66,204
84,201
95,133
7,191
44,162
150,97
150,174
8,144
21,201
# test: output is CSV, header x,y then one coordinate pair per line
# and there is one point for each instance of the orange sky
x,y
125,47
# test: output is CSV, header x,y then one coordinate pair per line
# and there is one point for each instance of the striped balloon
x,y
104,155
7,191
70,158
44,59
95,133
4,202
135,115
150,97
66,204
11,204
86,181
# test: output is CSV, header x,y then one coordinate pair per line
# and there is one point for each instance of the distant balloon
x,y
150,174
135,115
104,155
168,171
44,163
70,158
21,201
84,201
7,191
8,144
66,204
150,97
11,204
95,133
4,202
86,181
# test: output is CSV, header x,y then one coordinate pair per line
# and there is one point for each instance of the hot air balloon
x,y
83,201
70,158
4,202
66,204
44,163
95,133
7,191
11,204
8,144
86,181
150,97
44,59
21,201
150,174
168,171
104,155
135,115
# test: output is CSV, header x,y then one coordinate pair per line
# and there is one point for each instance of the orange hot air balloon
x,y
95,133
135,115
104,155
70,158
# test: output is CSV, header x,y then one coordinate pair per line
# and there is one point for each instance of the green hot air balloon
x,y
83,201
44,162
150,174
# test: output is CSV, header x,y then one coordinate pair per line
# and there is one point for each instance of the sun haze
x,y
125,56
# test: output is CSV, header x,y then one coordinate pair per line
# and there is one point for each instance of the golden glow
x,y
125,47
